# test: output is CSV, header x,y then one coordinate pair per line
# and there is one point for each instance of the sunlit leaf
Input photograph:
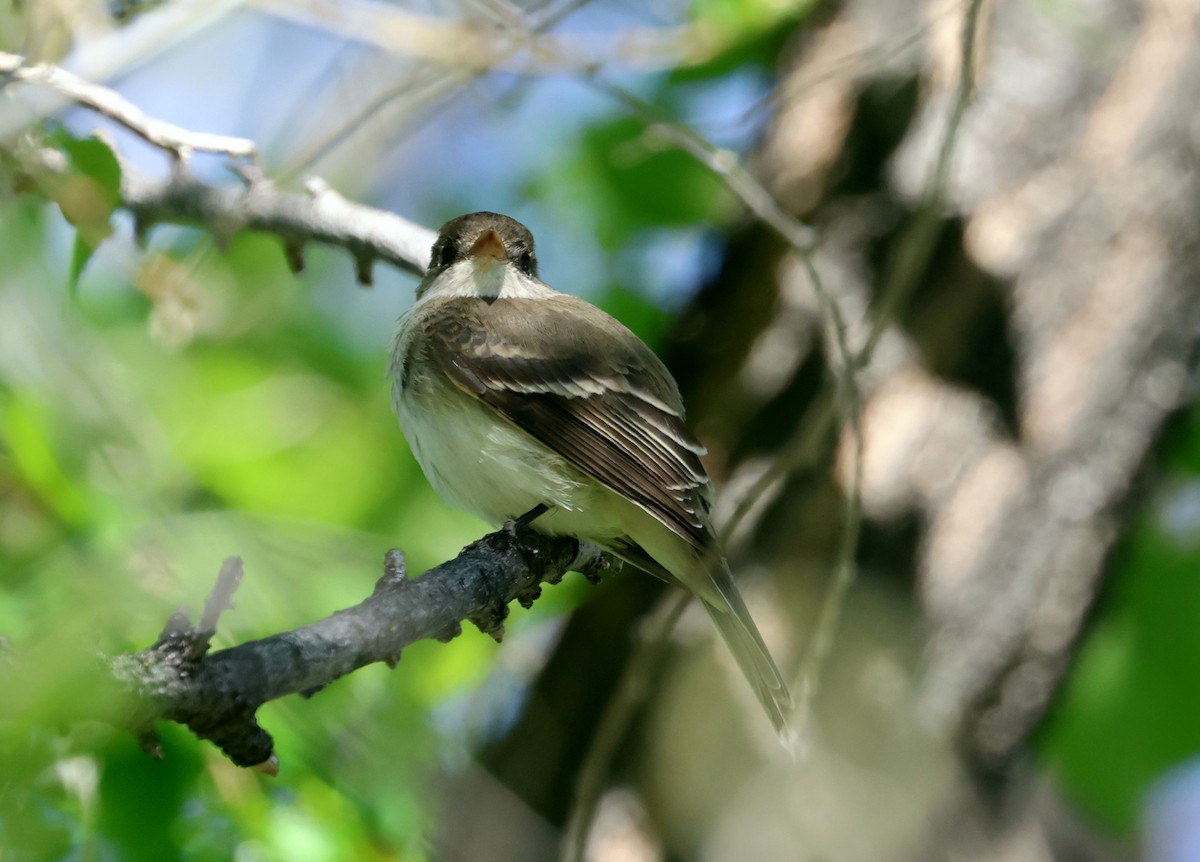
x,y
87,195
95,159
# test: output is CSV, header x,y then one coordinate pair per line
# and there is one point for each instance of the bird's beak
x,y
489,245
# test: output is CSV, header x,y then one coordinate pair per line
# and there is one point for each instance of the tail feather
x,y
732,619
713,585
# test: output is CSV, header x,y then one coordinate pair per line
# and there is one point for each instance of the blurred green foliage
x,y
142,439
189,404
186,404
654,184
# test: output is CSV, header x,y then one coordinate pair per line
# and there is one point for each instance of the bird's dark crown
x,y
458,235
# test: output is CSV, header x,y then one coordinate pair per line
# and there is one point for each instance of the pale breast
x,y
476,461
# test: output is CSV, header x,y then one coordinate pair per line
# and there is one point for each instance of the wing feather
x,y
585,386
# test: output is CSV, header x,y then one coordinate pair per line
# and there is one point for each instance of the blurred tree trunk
x,y
1033,318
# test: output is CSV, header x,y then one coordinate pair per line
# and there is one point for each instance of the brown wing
x,y
585,386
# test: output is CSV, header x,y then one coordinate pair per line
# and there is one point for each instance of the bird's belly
x,y
477,461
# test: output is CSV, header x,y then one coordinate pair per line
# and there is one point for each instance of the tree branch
x,y
320,214
111,104
217,695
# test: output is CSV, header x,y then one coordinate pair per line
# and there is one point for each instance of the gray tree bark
x,y
1017,261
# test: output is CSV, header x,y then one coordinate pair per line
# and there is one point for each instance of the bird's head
x,y
481,254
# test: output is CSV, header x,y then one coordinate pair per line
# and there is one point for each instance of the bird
x,y
522,404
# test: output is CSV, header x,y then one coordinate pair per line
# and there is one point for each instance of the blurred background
x,y
1005,205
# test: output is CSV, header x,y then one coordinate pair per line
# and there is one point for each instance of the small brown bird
x,y
518,400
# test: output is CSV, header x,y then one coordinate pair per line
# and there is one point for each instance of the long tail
x,y
713,585
736,627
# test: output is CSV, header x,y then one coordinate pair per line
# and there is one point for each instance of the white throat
x,y
484,279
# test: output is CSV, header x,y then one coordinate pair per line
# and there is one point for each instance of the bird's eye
x,y
525,262
445,255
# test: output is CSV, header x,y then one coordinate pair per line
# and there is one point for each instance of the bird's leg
x,y
525,520
532,515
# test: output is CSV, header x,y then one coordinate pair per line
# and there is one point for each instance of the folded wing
x,y
585,386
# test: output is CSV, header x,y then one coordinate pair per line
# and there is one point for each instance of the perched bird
x,y
523,403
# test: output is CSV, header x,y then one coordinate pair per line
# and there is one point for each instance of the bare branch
x,y
320,215
104,56
111,104
217,695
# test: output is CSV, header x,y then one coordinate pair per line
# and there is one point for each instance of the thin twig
x,y
802,450
320,215
113,105
918,246
108,55
427,87
825,628
631,691
964,94
497,45
729,169
221,597
431,84
915,248
726,166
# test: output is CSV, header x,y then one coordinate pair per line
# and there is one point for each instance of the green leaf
x,y
81,253
637,312
635,181
95,159
741,35
746,16
87,196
